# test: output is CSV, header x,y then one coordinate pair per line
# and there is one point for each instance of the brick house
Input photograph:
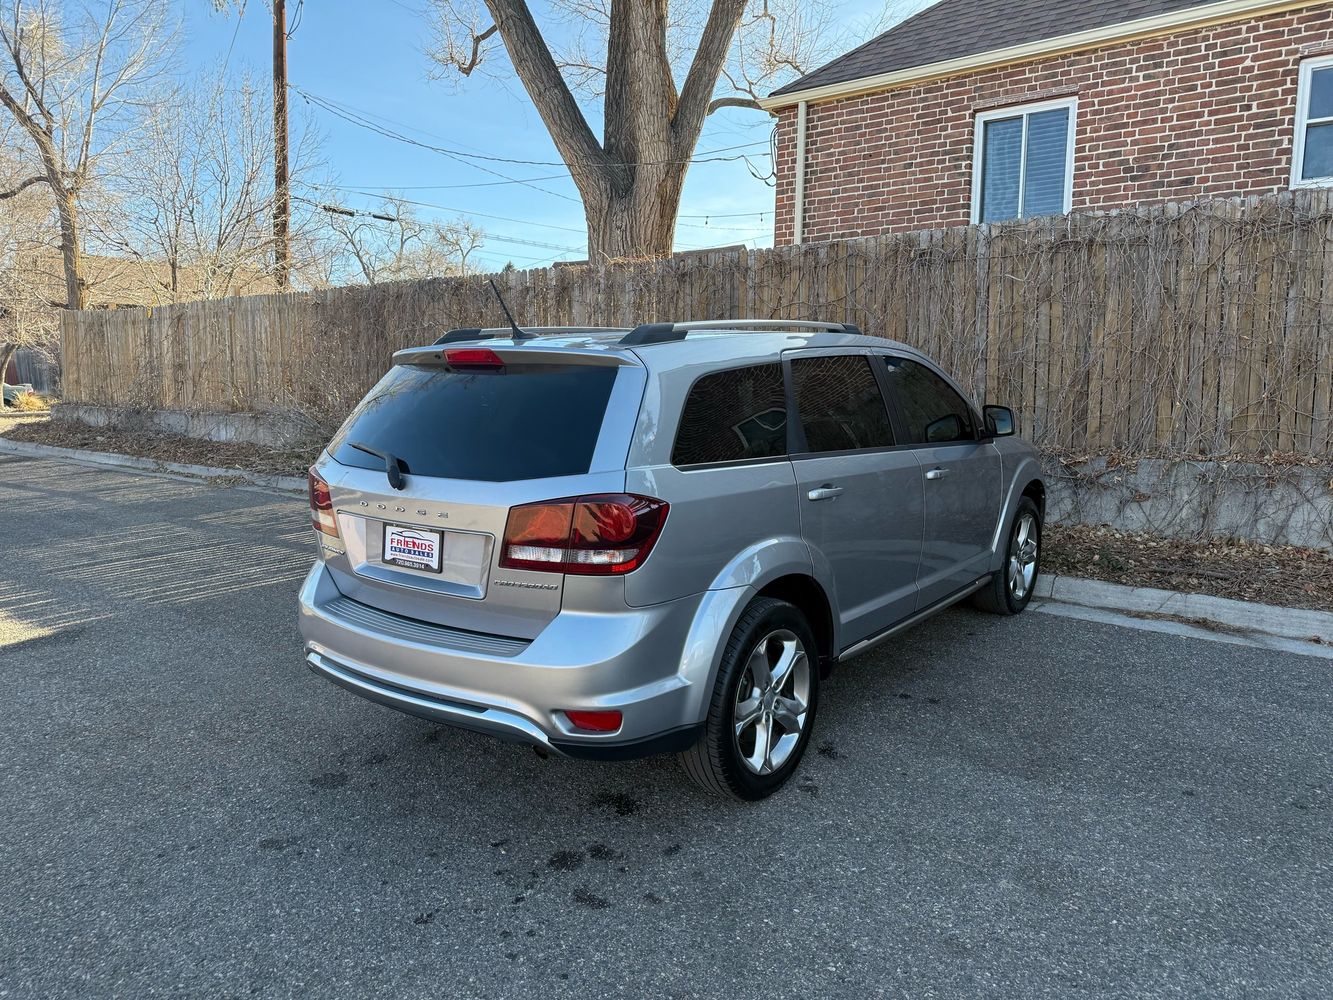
x,y
990,110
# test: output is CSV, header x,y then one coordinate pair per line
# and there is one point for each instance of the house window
x,y
1024,162
1312,163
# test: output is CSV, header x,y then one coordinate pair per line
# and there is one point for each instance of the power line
x,y
540,225
380,217
365,122
446,187
453,155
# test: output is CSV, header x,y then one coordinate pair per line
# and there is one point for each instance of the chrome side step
x,y
920,616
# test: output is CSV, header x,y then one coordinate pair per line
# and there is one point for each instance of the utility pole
x,y
282,203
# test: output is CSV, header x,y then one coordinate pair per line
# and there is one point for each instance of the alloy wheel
x,y
1023,557
772,702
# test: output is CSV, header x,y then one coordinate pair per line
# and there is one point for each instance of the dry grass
x,y
164,447
30,402
1282,575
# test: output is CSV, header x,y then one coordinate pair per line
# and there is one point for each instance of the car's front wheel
x,y
1011,589
763,704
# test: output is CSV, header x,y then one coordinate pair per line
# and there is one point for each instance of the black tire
x,y
999,596
716,762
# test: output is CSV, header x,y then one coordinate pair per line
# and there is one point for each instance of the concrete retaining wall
x,y
271,429
1272,505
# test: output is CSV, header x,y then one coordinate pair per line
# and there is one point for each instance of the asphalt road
x,y
1035,807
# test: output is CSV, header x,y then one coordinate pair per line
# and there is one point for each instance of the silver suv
x,y
615,543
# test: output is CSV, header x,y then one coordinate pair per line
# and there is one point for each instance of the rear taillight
x,y
321,504
593,535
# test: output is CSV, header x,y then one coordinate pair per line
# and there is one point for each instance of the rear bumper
x,y
517,691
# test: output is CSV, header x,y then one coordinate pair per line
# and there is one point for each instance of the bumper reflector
x,y
595,722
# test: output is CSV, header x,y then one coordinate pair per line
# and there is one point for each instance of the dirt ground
x,y
159,446
1291,577
1287,576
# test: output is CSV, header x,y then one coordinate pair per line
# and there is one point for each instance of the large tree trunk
x,y
639,222
7,351
631,182
71,248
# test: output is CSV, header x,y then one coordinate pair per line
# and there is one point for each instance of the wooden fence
x,y
1187,329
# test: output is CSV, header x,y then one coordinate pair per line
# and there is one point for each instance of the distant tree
x,y
196,191
27,243
75,78
630,54
393,244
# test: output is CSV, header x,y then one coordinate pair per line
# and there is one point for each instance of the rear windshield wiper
x,y
393,465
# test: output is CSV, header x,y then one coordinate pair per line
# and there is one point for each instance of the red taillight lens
x,y
592,535
595,722
473,357
321,504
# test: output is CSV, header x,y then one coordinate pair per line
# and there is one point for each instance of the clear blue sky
x,y
368,56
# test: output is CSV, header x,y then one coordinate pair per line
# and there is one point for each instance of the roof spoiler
x,y
465,334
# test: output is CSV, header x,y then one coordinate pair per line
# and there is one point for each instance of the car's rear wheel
x,y
763,704
1011,589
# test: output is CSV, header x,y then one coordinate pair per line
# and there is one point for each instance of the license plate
x,y
414,548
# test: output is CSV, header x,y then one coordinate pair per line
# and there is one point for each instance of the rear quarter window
x,y
733,416
525,422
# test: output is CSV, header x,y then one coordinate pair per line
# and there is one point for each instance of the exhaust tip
x,y
541,751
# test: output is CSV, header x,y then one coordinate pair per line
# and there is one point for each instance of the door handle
x,y
826,492
937,473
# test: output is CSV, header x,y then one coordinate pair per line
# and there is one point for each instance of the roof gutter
x,y
1202,16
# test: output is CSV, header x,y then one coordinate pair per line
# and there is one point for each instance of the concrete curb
x,y
112,460
1263,619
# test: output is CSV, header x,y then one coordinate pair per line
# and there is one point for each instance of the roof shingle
x,y
953,29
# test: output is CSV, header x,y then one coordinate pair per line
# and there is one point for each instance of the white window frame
x,y
1025,111
1303,95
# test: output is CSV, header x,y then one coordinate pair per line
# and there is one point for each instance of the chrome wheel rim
x,y
772,702
1023,557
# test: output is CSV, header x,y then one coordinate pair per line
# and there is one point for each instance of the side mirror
x,y
945,429
1000,421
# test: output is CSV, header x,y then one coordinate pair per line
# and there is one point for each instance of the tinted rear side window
x,y
525,422
732,416
926,401
840,404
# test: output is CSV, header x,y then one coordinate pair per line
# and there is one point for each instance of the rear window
x,y
840,404
732,416
527,422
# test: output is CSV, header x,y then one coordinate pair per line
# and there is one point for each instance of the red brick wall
x,y
1204,112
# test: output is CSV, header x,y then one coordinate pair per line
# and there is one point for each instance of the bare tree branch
x,y
475,59
22,186
541,78
718,103
696,94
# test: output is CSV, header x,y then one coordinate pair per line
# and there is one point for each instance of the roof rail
x,y
502,332
662,333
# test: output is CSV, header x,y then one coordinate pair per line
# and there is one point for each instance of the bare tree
x,y
631,53
394,244
27,243
196,194
74,77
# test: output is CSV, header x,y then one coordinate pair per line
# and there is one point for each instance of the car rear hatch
x,y
470,433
